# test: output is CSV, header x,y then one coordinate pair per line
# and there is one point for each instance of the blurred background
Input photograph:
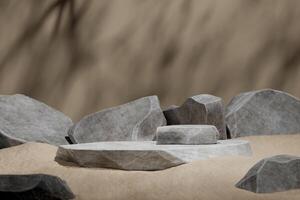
x,y
81,56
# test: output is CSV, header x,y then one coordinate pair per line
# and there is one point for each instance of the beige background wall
x,y
84,55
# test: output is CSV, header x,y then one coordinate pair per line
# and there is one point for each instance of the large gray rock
x,y
146,155
136,120
34,187
24,119
200,109
187,134
274,174
263,112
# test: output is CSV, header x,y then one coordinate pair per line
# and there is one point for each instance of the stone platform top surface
x,y
148,145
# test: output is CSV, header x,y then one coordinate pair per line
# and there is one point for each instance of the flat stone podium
x,y
146,155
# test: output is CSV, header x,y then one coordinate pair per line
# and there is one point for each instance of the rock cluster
x,y
259,112
274,174
140,136
34,187
122,136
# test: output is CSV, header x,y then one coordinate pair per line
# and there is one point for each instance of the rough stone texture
x,y
200,109
274,174
263,112
34,187
146,155
187,134
24,119
136,120
172,115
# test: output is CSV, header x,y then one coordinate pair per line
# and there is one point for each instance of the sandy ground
x,y
207,179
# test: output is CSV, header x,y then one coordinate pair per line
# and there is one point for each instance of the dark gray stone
x,y
200,109
187,134
136,120
275,174
263,112
146,155
24,119
34,187
172,115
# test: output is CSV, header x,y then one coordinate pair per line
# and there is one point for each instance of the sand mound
x,y
207,179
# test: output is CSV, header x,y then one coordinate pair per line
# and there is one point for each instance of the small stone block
x,y
187,134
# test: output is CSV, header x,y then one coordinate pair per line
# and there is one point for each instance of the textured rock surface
x,y
24,119
34,187
187,134
136,120
263,112
146,155
200,109
274,174
172,115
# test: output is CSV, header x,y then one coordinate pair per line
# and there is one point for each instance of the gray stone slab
x,y
134,121
187,134
24,119
34,187
263,112
275,174
146,155
200,109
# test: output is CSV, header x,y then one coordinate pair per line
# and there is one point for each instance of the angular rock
x,y
146,155
134,121
200,109
34,187
24,119
274,174
172,115
263,112
187,134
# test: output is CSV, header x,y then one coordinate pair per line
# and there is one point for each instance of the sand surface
x,y
205,180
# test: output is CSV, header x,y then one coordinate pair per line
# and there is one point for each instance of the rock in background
x,y
34,187
263,112
200,109
24,119
172,115
136,120
274,174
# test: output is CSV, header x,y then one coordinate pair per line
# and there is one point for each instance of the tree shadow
x,y
67,17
